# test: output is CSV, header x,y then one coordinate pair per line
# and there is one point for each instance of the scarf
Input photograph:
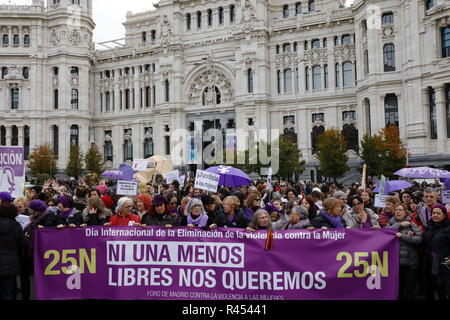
x,y
334,221
66,214
200,222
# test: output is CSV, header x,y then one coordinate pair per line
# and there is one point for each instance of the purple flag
x,y
127,172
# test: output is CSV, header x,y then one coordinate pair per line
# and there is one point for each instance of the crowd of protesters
x,y
421,221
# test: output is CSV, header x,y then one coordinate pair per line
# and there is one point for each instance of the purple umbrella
x,y
393,185
112,174
231,177
423,173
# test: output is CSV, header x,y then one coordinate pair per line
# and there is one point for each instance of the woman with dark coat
x,y
196,217
330,215
232,216
12,244
68,216
437,254
159,215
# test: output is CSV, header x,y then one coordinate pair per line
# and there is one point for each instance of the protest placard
x,y
445,196
140,164
206,181
12,171
172,176
127,188
380,201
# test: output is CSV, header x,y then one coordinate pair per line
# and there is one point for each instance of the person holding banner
x,y
410,238
95,214
159,215
299,219
330,215
232,216
196,217
123,216
68,215
437,254
143,204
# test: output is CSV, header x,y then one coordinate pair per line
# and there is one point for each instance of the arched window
x,y
5,40
26,142
387,18
26,40
108,101
286,47
366,62
55,141
389,57
15,136
16,40
149,149
74,71
15,98
298,8
127,145
188,21
74,135
221,16
74,99
26,72
2,136
326,76
391,110
108,146
316,133
429,4
433,120
445,40
338,75
127,99
350,134
250,81
144,36
55,99
315,43
285,11
346,39
287,81
232,13
167,90
317,83
199,19
210,17
295,46
307,78
4,72
348,74
311,6
279,81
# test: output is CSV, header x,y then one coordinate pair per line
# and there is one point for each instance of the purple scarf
x,y
334,221
200,222
66,214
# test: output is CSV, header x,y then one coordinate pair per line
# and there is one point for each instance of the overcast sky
x,y
109,15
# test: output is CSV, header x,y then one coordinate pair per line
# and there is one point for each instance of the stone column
x,y
8,135
301,68
441,117
20,135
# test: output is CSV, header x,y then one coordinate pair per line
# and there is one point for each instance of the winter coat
x,y
239,221
12,245
278,225
118,220
321,222
384,218
409,256
303,224
436,242
159,220
184,222
96,219
357,224
75,218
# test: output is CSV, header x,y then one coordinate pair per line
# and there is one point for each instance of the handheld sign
x,y
206,181
127,188
380,201
382,184
445,196
140,164
172,176
12,171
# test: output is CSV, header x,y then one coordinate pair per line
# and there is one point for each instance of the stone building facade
x,y
298,66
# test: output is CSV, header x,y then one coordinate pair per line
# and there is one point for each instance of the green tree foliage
x,y
42,161
290,159
75,165
332,149
372,149
94,160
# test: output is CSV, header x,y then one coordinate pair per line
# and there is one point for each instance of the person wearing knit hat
x,y
143,204
159,215
68,215
109,203
196,216
38,205
124,216
5,197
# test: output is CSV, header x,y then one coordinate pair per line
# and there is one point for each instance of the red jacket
x,y
118,220
417,221
384,219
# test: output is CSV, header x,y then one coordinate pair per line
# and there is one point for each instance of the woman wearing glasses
x,y
362,218
196,217
437,254
253,204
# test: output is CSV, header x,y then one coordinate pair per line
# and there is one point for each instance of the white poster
x,y
140,164
127,188
445,196
380,201
182,180
172,176
12,171
206,181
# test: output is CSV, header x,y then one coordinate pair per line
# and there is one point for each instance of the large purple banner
x,y
226,264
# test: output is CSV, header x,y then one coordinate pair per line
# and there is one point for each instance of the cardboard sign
x,y
172,176
140,164
206,181
445,196
182,180
380,201
12,171
127,188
